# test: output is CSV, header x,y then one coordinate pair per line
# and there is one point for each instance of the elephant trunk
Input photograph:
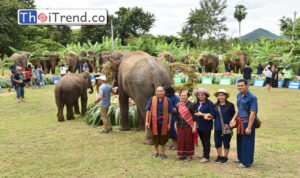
x,y
91,89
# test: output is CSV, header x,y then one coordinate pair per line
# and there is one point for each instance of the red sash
x,y
153,115
188,117
240,125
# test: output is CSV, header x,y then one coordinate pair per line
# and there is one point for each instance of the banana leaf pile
x,y
93,115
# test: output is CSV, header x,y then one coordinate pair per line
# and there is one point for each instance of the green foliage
x,y
93,115
5,62
286,27
12,34
240,12
129,21
207,21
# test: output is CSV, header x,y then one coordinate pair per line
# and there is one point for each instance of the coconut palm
x,y
240,14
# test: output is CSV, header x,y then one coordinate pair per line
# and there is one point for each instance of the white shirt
x,y
63,70
268,73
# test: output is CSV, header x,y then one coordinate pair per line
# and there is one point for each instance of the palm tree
x,y
240,14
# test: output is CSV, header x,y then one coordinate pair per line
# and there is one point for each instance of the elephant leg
x,y
76,108
206,69
124,106
84,99
70,114
141,104
141,120
60,114
53,69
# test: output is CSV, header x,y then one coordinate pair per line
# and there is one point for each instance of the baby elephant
x,y
67,92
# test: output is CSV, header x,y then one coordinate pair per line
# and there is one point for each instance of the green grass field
x,y
34,144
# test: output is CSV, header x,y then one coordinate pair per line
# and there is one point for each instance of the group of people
x,y
271,73
83,66
184,121
177,118
24,77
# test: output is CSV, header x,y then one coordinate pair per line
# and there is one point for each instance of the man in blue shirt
x,y
247,71
243,119
104,98
259,69
158,117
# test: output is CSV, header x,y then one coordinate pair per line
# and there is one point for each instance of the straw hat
x,y
201,90
222,91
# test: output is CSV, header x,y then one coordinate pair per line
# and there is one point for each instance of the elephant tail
x,y
59,97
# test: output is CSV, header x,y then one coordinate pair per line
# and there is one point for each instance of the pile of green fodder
x,y
93,115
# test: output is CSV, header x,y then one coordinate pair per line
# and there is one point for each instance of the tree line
x,y
205,26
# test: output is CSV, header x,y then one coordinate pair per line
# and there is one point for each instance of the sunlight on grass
x,y
34,144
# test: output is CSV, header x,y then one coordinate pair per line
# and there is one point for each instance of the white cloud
x,y
171,14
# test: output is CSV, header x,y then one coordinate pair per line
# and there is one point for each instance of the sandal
x,y
154,155
163,156
174,147
204,160
188,159
241,166
237,161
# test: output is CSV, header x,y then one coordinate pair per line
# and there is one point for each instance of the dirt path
x,y
7,94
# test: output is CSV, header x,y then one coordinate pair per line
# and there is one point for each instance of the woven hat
x,y
222,91
201,90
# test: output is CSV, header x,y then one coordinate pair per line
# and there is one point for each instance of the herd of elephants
x,y
210,63
136,74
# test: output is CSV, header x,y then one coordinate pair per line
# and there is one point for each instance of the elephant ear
x,y
115,60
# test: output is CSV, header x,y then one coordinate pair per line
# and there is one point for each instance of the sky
x,y
171,14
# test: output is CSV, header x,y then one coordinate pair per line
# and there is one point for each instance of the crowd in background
x,y
25,77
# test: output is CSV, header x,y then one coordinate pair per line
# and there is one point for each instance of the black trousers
x,y
286,82
205,139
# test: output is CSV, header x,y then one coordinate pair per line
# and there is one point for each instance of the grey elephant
x,y
92,59
275,59
67,92
209,62
21,58
168,56
138,74
49,64
103,57
187,57
72,61
239,62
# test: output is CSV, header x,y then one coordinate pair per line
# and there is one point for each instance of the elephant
x,y
138,75
237,63
72,61
186,57
92,59
21,58
67,92
210,62
103,58
275,59
48,64
168,56
51,62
